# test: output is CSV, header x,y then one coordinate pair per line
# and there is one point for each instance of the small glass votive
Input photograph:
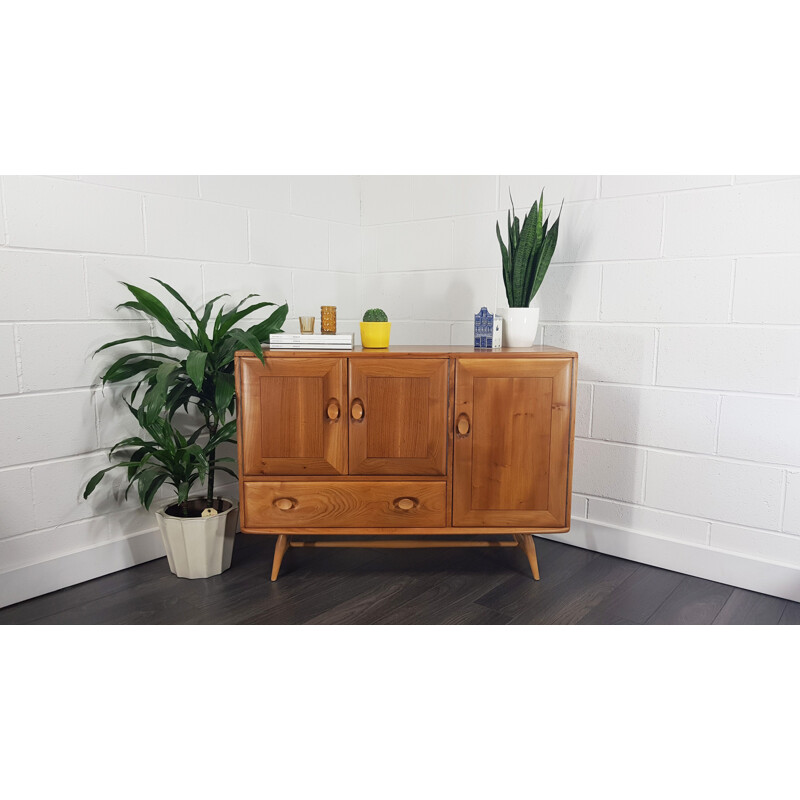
x,y
306,324
328,324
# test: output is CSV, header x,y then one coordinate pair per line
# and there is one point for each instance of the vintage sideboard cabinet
x,y
445,442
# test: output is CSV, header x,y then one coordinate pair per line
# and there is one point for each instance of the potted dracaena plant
x,y
525,261
190,367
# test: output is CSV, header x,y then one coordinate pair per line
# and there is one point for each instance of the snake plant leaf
x,y
157,310
548,248
506,260
196,367
527,242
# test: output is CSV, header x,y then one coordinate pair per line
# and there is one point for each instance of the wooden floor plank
x,y
567,602
791,614
694,602
420,587
637,597
750,608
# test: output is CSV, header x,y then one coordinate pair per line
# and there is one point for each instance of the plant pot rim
x,y
162,510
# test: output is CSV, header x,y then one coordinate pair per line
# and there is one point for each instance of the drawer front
x,y
351,504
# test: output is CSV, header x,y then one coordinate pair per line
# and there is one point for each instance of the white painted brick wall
x,y
605,230
104,275
55,214
740,220
526,190
270,192
41,286
282,240
385,199
175,185
765,429
180,228
744,359
332,197
452,195
766,290
697,290
621,185
569,293
608,470
791,519
748,494
608,353
662,418
8,361
59,355
34,426
16,499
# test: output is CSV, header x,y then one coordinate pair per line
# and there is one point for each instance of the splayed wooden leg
x,y
529,548
281,546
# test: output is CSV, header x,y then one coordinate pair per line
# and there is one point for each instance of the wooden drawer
x,y
350,504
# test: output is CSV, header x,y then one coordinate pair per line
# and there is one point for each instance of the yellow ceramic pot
x,y
375,334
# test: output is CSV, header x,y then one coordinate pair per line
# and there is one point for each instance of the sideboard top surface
x,y
421,351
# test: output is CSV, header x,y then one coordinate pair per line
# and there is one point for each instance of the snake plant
x,y
528,254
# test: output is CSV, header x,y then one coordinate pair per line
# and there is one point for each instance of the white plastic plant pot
x,y
520,326
199,547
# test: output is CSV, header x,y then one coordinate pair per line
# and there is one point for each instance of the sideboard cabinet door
x,y
512,442
293,416
398,416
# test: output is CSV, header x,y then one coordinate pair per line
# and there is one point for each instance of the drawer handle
x,y
462,426
357,410
406,503
333,410
285,503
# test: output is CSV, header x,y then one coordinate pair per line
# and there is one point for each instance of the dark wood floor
x,y
430,587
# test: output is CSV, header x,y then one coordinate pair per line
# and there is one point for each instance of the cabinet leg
x,y
526,543
280,550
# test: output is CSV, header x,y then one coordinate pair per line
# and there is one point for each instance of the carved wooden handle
x,y
333,409
357,409
462,426
406,503
285,503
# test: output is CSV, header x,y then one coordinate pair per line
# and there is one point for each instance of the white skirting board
x,y
33,580
734,569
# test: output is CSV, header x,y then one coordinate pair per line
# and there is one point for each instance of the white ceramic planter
x,y
520,326
199,547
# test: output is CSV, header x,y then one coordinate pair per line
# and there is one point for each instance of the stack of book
x,y
311,341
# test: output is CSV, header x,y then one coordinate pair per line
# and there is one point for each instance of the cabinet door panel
x,y
398,416
292,420
512,442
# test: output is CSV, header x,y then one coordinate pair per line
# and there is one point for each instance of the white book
x,y
311,338
311,346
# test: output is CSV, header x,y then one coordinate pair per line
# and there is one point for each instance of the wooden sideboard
x,y
442,442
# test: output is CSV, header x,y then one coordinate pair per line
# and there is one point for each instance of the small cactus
x,y
375,315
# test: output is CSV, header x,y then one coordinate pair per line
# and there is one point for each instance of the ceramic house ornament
x,y
484,329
